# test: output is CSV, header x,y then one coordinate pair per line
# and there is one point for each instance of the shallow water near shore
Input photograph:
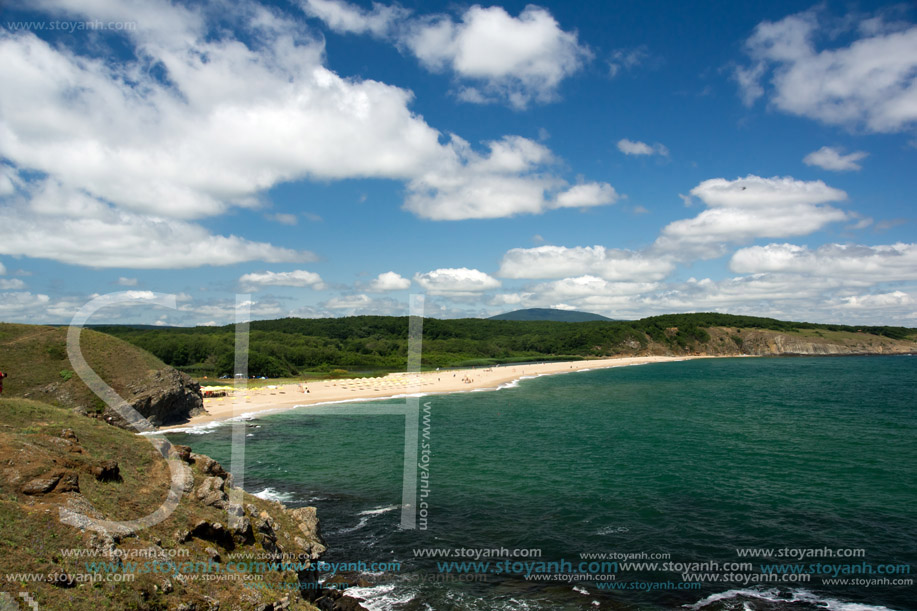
x,y
692,459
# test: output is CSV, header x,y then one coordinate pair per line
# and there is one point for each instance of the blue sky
x,y
330,158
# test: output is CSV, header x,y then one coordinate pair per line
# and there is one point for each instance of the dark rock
x,y
269,544
63,580
213,532
69,482
209,466
182,452
242,530
106,471
42,485
210,492
167,396
69,435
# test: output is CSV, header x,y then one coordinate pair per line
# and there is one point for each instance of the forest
x,y
357,344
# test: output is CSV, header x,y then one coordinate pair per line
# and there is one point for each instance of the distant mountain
x,y
549,314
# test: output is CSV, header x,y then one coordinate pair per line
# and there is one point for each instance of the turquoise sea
x,y
683,462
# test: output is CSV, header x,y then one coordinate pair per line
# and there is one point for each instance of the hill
x,y
35,358
549,314
60,467
361,344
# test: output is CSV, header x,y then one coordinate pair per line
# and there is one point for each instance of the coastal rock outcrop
x,y
166,396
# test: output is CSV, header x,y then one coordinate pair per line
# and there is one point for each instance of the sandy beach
x,y
254,401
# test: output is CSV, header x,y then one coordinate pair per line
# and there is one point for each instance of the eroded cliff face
x,y
758,342
769,343
163,396
166,396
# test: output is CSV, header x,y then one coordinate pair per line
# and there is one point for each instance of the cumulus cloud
x,y
62,224
829,158
200,120
456,282
586,195
296,278
880,300
850,263
230,122
590,286
389,281
509,180
23,305
355,305
11,284
495,57
515,60
123,281
635,147
870,83
561,261
343,17
747,208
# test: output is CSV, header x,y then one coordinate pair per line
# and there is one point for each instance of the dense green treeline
x,y
290,346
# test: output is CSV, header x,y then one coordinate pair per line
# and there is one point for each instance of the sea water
x,y
700,467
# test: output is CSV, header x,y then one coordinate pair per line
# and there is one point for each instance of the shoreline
x,y
273,399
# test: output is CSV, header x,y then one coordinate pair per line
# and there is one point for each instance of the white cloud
x,y
348,302
747,208
343,17
880,300
127,281
635,147
626,59
512,59
456,282
283,218
2,269
23,306
354,305
66,225
234,122
11,284
511,179
586,195
829,158
849,263
561,261
297,278
6,181
389,281
199,122
871,82
590,286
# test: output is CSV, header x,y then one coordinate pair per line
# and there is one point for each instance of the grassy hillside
x,y
39,442
293,346
35,359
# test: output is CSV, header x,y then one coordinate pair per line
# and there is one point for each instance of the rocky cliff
x,y
60,472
